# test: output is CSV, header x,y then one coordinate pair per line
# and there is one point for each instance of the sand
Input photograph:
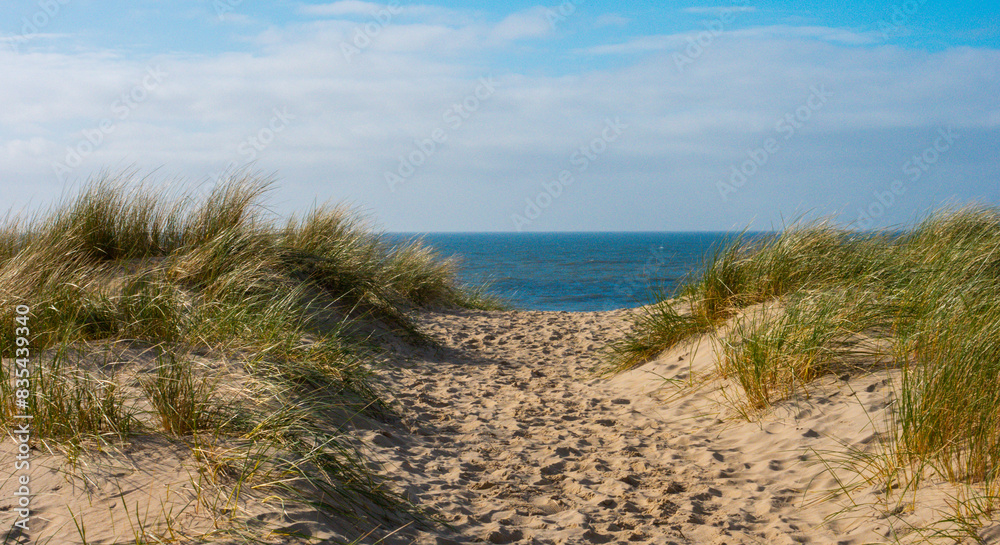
x,y
508,435
511,436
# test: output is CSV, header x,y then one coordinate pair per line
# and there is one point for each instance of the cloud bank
x,y
345,102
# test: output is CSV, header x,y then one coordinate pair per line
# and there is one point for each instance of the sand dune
x,y
511,437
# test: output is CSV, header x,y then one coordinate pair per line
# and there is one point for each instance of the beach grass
x,y
814,300
774,351
68,402
126,262
181,398
656,328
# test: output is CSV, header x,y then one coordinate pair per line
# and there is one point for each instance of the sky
x,y
585,115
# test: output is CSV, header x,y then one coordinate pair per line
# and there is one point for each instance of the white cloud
x,y
353,121
530,23
17,150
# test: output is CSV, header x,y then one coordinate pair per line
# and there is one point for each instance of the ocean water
x,y
575,271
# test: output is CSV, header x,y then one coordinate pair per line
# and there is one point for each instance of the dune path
x,y
511,438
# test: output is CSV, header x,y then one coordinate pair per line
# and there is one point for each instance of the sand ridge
x,y
512,439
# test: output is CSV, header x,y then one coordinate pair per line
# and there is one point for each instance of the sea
x,y
575,271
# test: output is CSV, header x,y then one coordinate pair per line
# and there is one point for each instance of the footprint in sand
x,y
542,452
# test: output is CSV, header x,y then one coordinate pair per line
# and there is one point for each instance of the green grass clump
x,y
772,352
658,327
949,408
127,263
747,270
70,403
113,217
124,258
814,300
181,398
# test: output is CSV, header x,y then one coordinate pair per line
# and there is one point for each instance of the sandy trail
x,y
510,437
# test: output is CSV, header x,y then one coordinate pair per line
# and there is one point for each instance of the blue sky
x,y
580,116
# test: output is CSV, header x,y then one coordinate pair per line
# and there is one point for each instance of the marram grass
x,y
127,263
126,258
814,300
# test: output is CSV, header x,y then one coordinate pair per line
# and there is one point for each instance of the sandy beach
x,y
507,435
513,439
362,272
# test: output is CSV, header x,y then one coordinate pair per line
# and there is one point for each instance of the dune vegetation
x,y
814,300
181,281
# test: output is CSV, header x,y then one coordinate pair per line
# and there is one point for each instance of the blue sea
x,y
575,271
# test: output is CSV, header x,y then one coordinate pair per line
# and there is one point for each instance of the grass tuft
x,y
657,327
181,398
125,262
814,300
69,403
